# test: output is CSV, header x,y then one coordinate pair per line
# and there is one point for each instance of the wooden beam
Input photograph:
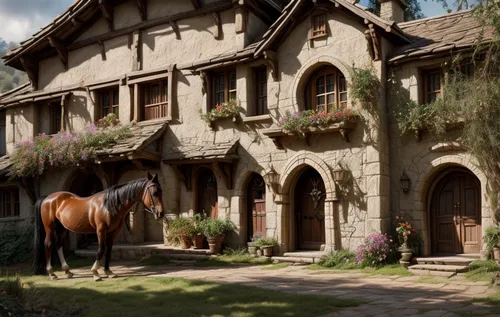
x,y
175,28
107,12
31,68
196,4
225,171
142,6
272,61
61,49
218,26
76,22
213,7
63,112
102,49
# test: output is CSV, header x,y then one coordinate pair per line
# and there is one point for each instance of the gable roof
x,y
443,34
70,24
293,12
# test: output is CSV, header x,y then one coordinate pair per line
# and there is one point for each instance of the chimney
x,y
393,10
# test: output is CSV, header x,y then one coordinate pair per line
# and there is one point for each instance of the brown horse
x,y
103,213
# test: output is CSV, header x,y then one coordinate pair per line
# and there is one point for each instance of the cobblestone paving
x,y
388,295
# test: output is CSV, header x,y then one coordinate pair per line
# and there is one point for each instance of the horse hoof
x,y
53,277
97,278
112,276
70,275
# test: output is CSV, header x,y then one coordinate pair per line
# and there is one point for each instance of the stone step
x,y
439,268
459,260
292,259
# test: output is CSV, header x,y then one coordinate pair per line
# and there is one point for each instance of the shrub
x,y
301,121
16,243
199,222
265,242
339,259
492,237
215,227
375,250
364,85
181,227
33,157
485,266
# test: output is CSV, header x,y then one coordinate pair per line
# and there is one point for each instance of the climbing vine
x,y
364,86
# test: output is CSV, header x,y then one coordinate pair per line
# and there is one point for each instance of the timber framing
x,y
31,68
142,6
107,13
372,39
61,50
196,4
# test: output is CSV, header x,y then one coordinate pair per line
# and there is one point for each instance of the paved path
x,y
389,295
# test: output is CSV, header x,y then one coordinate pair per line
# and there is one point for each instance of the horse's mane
x,y
117,195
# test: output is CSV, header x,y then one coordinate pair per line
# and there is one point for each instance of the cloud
x,y
22,18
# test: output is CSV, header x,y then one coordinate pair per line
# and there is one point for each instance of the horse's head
x,y
152,198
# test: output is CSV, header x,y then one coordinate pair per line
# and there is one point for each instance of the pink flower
x,y
397,217
219,108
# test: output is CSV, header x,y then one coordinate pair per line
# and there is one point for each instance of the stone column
x,y
284,230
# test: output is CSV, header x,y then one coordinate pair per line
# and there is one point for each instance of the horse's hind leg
x,y
49,230
60,234
109,247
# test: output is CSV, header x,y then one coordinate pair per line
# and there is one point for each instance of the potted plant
x,y
215,230
198,236
267,245
492,241
181,231
252,245
404,231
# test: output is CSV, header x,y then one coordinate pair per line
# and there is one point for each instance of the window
x,y
432,85
3,140
224,87
318,25
55,118
261,91
109,100
327,90
9,202
155,99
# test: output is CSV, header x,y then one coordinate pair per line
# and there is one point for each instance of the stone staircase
x,y
443,265
302,257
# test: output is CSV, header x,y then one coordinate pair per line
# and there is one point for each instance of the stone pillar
x,y
284,231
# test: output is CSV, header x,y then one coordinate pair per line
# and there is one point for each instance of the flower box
x,y
230,109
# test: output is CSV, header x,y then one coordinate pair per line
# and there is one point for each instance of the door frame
x,y
436,179
247,203
197,192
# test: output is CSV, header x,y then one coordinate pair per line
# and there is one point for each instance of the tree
x,y
413,10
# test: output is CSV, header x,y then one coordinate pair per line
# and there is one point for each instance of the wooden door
x,y
256,207
207,193
456,214
310,210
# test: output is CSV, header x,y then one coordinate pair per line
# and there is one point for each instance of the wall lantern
x,y
340,176
272,179
405,182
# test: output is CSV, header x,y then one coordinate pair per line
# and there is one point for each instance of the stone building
x,y
164,63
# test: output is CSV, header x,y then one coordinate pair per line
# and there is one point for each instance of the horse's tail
x,y
39,244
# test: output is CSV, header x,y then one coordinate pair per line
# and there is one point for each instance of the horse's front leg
x,y
109,247
101,238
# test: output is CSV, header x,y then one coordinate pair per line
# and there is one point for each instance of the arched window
x,y
326,90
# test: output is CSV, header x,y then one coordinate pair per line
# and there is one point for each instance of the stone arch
x,y
297,163
243,178
308,69
74,173
424,186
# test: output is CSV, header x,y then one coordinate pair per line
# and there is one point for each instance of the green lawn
x,y
391,269
149,296
224,260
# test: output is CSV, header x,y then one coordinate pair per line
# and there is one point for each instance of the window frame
x,y
311,93
55,122
112,106
318,27
161,98
227,88
260,77
3,125
426,81
14,208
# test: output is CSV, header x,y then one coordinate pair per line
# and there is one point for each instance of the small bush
x,y
235,252
265,242
217,227
339,260
16,243
179,228
488,266
375,250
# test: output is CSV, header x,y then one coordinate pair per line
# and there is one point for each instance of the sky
x,y
22,18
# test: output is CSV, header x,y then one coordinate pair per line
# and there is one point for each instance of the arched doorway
x,y
207,193
310,210
256,206
455,213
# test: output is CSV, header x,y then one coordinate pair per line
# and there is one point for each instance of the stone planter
x,y
186,242
215,244
406,255
198,241
252,248
267,250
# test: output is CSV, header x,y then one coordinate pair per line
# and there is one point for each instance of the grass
x,y
390,269
154,260
225,260
146,296
492,300
277,266
480,270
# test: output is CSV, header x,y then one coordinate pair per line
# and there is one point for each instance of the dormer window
x,y
318,25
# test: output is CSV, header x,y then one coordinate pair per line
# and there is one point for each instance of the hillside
x,y
9,77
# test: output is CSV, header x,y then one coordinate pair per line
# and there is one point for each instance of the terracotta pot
x,y
496,254
215,244
267,250
186,242
198,241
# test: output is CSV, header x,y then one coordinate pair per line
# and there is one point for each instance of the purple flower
x,y
84,156
92,128
295,115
